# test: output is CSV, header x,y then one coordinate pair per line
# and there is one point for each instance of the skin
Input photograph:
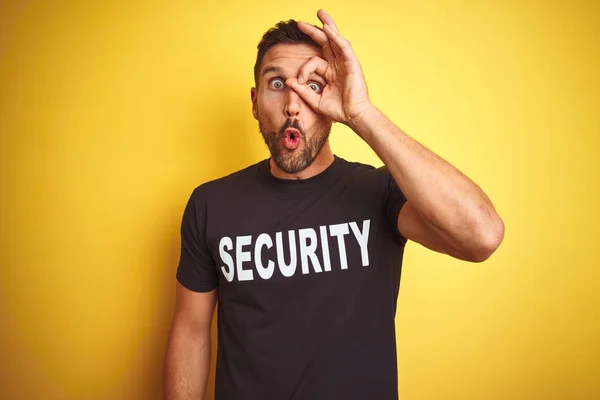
x,y
274,103
445,210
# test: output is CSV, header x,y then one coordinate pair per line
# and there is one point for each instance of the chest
x,y
275,238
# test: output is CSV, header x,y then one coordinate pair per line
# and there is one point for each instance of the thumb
x,y
307,94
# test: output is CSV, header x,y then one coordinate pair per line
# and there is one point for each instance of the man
x,y
304,250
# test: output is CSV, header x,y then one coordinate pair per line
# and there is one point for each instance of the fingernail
x,y
300,79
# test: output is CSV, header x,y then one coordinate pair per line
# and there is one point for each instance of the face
x,y
294,133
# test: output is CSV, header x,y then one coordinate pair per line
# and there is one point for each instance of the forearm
x,y
444,196
187,365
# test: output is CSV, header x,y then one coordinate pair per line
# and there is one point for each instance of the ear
x,y
253,97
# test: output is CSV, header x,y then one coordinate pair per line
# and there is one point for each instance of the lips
x,y
291,138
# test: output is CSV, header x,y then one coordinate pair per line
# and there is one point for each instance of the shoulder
x,y
365,171
228,184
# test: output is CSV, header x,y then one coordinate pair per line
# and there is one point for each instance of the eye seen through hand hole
x,y
315,86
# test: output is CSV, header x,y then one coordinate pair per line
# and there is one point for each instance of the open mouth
x,y
291,138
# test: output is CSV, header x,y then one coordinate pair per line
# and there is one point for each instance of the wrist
x,y
361,123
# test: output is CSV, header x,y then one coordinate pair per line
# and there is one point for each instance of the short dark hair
x,y
283,32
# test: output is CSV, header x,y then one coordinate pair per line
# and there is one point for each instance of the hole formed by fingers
x,y
315,87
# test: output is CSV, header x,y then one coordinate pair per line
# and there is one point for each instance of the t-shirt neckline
x,y
325,177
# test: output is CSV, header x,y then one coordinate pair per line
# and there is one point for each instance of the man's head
x,y
293,131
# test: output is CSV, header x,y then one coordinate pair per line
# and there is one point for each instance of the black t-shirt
x,y
307,272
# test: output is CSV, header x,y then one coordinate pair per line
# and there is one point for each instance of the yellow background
x,y
111,112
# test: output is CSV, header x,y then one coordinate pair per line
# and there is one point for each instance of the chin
x,y
292,163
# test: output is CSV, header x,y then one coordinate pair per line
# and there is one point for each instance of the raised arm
x,y
445,211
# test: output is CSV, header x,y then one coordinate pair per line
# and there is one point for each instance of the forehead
x,y
287,55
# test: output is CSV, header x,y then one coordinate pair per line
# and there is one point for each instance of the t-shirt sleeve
x,y
197,269
394,201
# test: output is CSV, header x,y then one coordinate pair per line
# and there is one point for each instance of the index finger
x,y
314,65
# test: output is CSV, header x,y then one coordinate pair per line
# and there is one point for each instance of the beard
x,y
294,161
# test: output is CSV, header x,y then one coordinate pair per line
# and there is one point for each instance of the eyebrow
x,y
271,68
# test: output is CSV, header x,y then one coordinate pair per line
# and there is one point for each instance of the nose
x,y
293,103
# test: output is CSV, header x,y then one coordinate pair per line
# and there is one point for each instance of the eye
x,y
315,86
277,83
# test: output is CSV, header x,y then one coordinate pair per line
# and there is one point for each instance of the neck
x,y
323,160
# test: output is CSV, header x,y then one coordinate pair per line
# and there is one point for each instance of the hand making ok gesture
x,y
345,94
